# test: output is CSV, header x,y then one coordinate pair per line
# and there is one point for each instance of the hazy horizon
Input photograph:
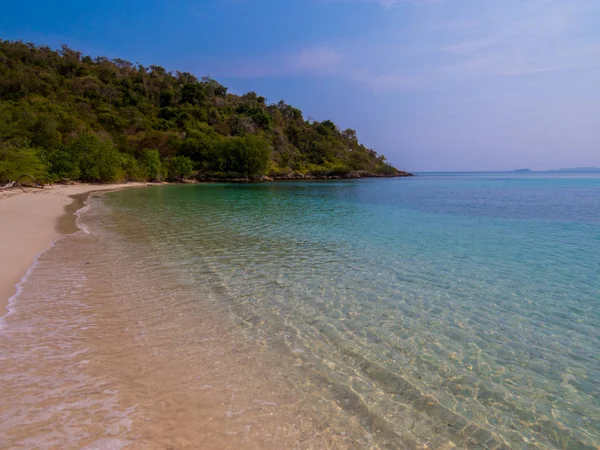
x,y
435,85
556,169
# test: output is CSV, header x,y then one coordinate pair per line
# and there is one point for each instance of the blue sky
x,y
432,84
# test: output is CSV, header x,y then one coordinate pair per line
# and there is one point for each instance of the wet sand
x,y
30,221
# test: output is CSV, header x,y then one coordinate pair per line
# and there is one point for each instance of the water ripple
x,y
434,311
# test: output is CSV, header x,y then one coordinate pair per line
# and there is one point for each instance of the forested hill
x,y
66,116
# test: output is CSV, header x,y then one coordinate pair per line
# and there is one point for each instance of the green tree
x,y
58,100
99,160
45,132
247,155
150,164
17,163
200,143
131,168
62,164
179,168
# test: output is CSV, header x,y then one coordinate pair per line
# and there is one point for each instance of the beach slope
x,y
29,223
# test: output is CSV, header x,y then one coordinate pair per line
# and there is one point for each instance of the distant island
x,y
572,170
578,169
66,116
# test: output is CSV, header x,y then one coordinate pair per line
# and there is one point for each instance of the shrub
x,y
17,163
385,169
62,164
99,161
179,167
328,169
150,164
131,168
247,156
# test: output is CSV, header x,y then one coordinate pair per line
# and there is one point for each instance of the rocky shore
x,y
299,176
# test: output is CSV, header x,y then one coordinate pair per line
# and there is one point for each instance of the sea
x,y
445,310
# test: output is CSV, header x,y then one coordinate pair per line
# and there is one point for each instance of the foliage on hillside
x,y
64,115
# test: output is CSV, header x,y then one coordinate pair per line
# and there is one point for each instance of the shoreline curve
x,y
30,223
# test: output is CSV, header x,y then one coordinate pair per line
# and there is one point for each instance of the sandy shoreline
x,y
29,222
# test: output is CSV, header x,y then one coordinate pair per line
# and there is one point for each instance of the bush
x,y
385,169
62,164
131,169
328,169
246,156
99,161
275,170
149,160
359,160
200,143
338,169
179,167
17,163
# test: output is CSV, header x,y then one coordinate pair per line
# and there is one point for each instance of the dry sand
x,y
29,222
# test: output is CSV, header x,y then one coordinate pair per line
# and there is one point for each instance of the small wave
x,y
87,207
10,307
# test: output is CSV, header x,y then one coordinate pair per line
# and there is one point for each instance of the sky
x,y
434,85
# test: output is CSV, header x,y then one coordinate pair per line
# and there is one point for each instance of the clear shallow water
x,y
456,306
443,310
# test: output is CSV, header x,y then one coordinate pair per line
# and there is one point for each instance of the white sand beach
x,y
28,226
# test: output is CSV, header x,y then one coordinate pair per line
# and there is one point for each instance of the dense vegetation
x,y
66,116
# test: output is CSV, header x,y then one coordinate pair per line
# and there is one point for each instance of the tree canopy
x,y
64,115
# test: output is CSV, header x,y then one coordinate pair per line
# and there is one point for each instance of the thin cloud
x,y
387,4
439,46
315,60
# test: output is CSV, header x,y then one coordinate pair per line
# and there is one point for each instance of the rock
x,y
299,176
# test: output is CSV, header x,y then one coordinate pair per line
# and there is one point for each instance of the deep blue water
x,y
455,305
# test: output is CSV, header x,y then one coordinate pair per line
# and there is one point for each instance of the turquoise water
x,y
462,307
